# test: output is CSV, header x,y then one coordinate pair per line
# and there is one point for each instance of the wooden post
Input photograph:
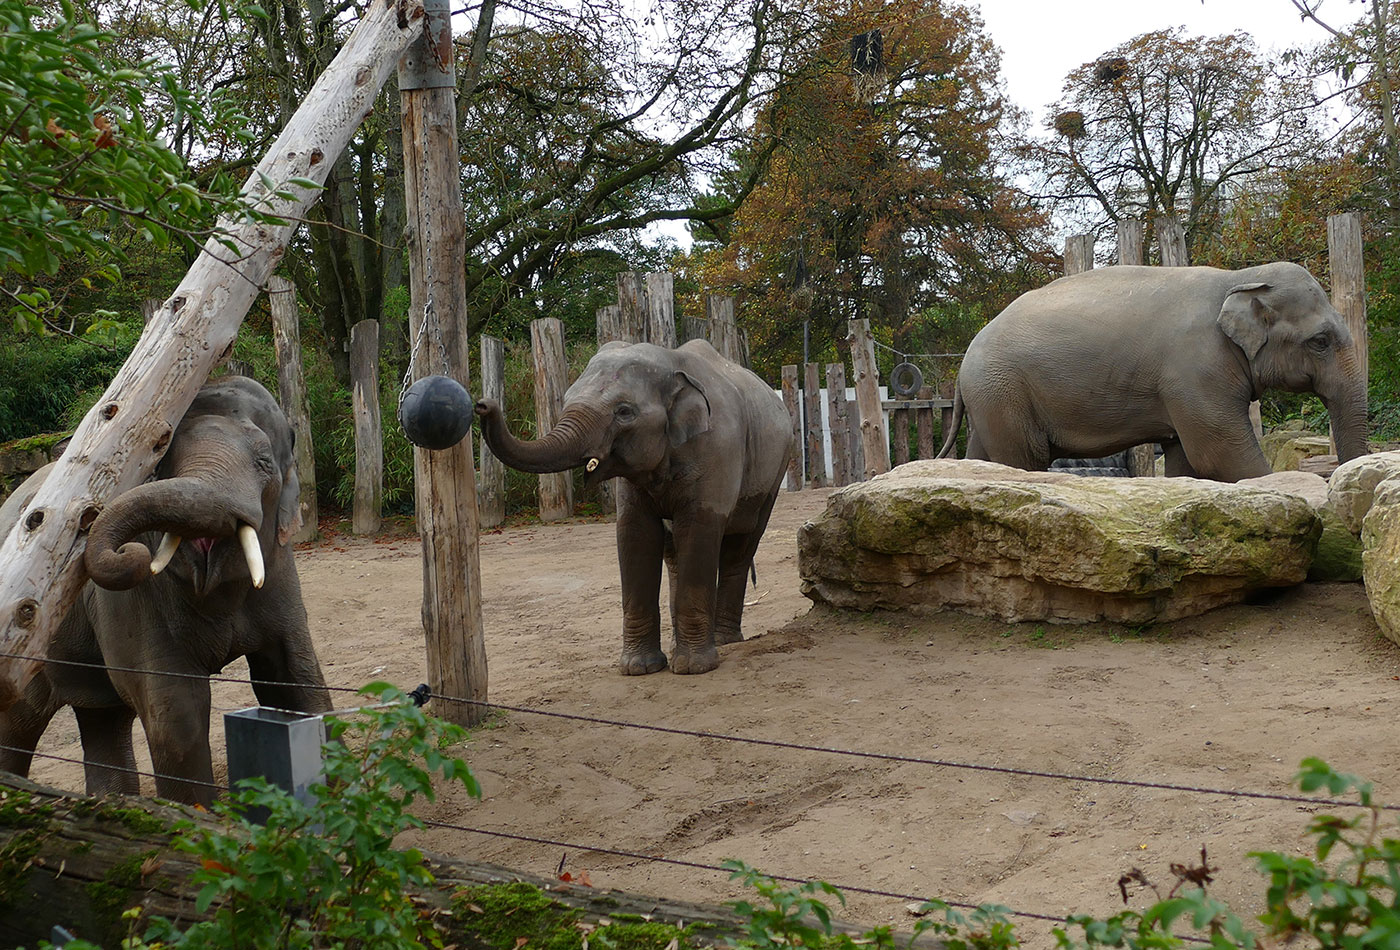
x,y
924,422
1348,278
291,388
899,436
493,470
872,418
1129,241
631,298
794,408
445,480
693,328
812,402
367,510
724,335
551,372
838,421
1171,240
120,441
661,310
1079,253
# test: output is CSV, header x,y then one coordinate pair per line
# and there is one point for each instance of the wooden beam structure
x,y
119,443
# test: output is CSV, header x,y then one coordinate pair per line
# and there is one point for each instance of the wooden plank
x,y
1171,241
445,480
291,388
838,421
551,374
812,403
1130,241
492,501
923,417
661,310
794,408
899,437
1079,253
120,441
934,403
874,442
631,299
1348,278
366,512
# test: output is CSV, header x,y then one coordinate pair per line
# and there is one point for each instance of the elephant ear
x,y
1245,319
688,415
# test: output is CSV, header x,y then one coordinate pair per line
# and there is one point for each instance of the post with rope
x,y
445,479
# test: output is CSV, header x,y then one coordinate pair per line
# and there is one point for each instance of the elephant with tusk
x,y
220,511
701,445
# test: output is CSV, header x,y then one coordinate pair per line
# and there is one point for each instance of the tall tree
x,y
1173,124
887,193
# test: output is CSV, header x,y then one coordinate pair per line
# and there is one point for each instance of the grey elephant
x,y
702,446
228,487
1092,364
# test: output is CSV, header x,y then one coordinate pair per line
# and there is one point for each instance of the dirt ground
x,y
1231,701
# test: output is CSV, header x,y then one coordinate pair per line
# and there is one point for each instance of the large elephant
x,y
702,446
227,486
1120,356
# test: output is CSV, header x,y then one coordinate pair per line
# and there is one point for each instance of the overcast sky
x,y
1042,40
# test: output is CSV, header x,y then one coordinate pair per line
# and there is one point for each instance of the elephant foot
x,y
727,635
641,662
687,662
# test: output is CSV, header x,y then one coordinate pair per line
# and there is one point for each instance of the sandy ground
x,y
1230,701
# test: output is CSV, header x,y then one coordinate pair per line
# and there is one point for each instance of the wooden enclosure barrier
x,y
367,510
291,390
551,377
491,503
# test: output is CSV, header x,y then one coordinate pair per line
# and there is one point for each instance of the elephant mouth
x,y
202,556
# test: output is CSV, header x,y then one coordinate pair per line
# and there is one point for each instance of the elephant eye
x,y
625,412
1321,342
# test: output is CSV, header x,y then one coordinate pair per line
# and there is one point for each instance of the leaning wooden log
x,y
120,441
79,862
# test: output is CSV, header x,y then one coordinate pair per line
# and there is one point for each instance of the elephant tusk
x,y
252,553
592,464
168,543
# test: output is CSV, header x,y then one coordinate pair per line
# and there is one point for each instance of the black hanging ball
x,y
436,412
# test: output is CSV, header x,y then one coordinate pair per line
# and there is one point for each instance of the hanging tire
x,y
906,380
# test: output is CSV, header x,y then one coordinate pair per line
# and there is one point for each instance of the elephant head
x,y
623,417
227,487
1293,339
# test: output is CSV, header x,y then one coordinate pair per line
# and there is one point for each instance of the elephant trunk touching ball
x,y
221,585
701,445
1098,362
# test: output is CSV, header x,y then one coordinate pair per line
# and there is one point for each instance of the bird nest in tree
x,y
1110,70
1070,125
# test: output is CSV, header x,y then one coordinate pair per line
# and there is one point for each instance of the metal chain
x,y
428,322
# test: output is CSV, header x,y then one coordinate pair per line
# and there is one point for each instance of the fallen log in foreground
x,y
80,862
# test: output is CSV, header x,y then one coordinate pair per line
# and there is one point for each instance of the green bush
x,y
47,383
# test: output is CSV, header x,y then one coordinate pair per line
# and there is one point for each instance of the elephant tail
x,y
951,441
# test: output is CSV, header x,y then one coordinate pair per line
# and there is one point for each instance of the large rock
x,y
1338,555
1380,541
1353,485
1000,542
1287,447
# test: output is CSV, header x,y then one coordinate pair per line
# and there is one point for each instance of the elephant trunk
x,y
1347,407
182,507
569,444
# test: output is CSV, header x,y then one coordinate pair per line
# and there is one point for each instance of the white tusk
x,y
592,464
168,543
252,554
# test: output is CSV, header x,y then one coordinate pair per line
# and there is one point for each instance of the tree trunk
x,y
367,513
120,441
291,388
551,376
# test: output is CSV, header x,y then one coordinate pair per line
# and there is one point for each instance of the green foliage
x,y
787,922
47,384
325,872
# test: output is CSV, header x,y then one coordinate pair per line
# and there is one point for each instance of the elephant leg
x,y
175,715
668,555
1223,449
287,676
699,536
109,765
736,556
641,541
1174,461
1009,438
23,723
